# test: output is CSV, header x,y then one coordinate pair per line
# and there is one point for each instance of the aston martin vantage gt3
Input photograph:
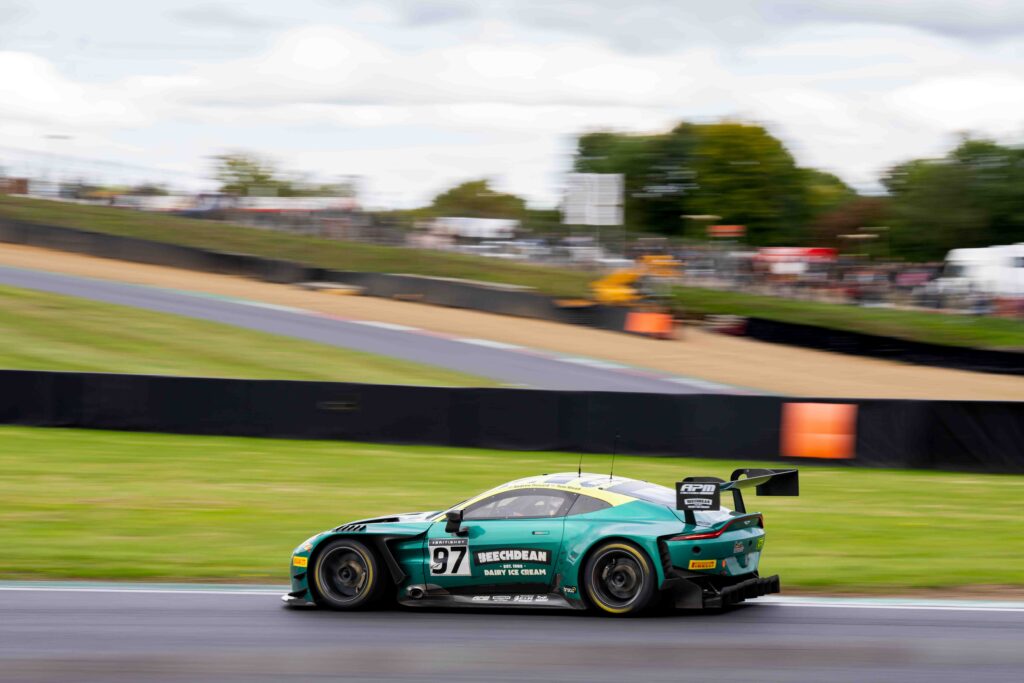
x,y
574,541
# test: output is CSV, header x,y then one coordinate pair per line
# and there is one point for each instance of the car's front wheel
x,y
345,576
619,579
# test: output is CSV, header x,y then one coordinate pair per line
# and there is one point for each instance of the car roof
x,y
586,483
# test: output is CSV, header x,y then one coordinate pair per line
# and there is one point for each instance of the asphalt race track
x,y
116,634
501,362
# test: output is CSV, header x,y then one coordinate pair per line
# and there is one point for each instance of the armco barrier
x,y
154,253
954,435
480,297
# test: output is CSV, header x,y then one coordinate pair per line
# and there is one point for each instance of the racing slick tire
x,y
346,575
619,579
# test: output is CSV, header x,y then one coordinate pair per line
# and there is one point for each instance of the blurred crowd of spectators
x,y
826,276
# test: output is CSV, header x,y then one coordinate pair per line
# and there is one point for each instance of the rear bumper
x,y
694,591
744,590
297,599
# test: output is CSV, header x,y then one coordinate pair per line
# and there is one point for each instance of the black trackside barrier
x,y
888,348
979,436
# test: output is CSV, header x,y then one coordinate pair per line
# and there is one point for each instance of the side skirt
x,y
519,601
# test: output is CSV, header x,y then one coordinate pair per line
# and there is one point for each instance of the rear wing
x,y
695,494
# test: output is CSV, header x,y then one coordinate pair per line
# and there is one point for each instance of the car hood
x,y
402,517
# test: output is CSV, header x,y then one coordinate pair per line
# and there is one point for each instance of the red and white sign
x,y
727,231
796,254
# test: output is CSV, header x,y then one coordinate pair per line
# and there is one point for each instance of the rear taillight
x,y
713,534
697,537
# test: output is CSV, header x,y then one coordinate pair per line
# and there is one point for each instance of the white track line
x,y
491,344
385,326
264,591
895,604
700,383
593,363
158,591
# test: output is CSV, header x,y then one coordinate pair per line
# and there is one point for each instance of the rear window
x,y
652,493
585,504
662,495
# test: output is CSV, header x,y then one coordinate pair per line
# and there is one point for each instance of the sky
x,y
414,96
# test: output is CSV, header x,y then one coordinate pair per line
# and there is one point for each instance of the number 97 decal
x,y
449,558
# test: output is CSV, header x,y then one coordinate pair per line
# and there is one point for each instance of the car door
x,y
510,546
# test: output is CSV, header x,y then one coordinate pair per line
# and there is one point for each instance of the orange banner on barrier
x,y
819,430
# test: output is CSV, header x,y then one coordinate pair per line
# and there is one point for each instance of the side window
x,y
524,504
585,504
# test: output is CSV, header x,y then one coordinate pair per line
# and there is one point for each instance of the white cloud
x,y
333,65
32,90
219,16
991,102
415,94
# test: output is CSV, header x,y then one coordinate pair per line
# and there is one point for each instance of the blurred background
x,y
256,259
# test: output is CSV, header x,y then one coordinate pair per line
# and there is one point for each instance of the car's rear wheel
x,y
345,576
619,579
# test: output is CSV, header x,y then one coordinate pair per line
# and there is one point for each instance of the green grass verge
x,y
92,504
42,331
936,328
333,254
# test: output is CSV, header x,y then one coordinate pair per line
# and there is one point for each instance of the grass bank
x,y
42,331
92,504
935,328
324,253
956,330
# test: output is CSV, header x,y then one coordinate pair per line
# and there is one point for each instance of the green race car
x,y
571,541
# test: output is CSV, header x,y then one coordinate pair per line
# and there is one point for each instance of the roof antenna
x,y
615,448
582,446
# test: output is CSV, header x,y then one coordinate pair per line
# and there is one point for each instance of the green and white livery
x,y
570,540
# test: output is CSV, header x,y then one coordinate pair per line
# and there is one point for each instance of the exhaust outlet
x,y
416,592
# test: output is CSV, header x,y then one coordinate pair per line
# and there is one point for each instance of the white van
x,y
997,271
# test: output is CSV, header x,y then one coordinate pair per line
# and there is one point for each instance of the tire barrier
x,y
976,436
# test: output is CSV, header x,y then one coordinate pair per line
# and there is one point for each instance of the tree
x,y
847,218
996,183
476,199
736,171
149,189
657,170
931,213
973,197
246,174
747,177
825,192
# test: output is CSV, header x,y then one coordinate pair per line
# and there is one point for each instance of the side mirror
x,y
454,523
